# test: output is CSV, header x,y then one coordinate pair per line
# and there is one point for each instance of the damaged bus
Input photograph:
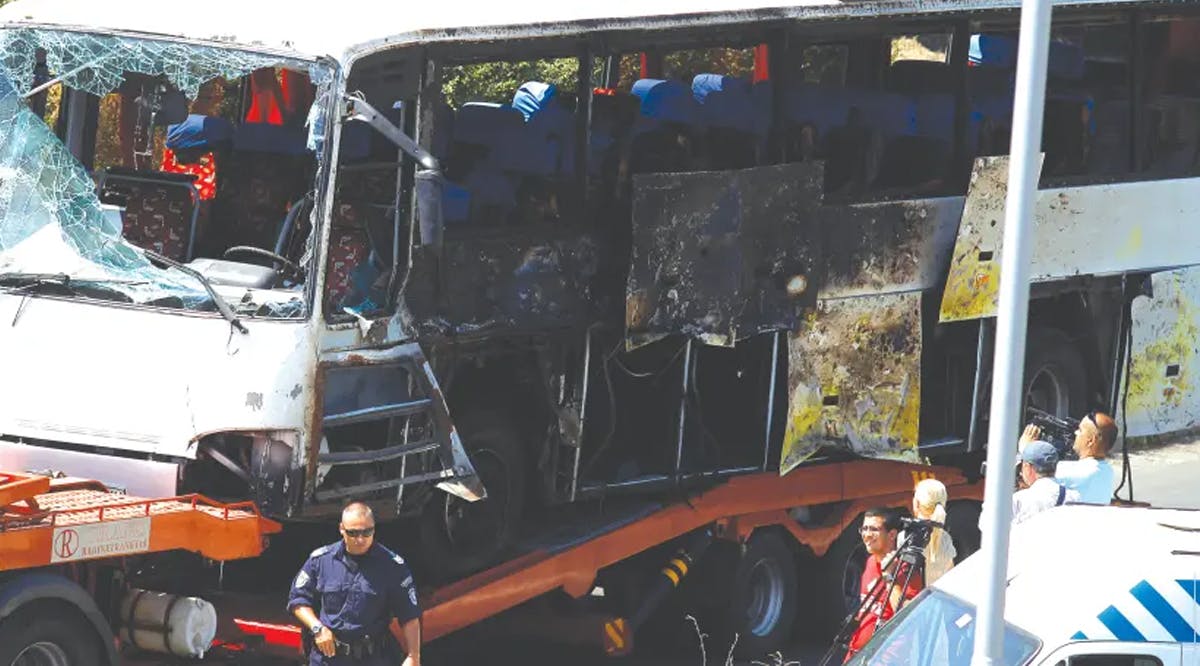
x,y
300,261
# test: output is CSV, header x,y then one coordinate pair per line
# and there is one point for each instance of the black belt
x,y
358,648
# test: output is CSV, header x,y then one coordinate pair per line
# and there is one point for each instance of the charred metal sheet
x,y
1093,230
854,379
888,246
338,372
1165,356
722,255
492,284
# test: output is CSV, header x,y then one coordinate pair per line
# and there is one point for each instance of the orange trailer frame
x,y
734,509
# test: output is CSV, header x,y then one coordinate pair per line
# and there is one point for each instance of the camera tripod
x,y
908,561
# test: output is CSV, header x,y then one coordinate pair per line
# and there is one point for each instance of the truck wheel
x,y
763,601
47,637
460,537
1055,374
842,567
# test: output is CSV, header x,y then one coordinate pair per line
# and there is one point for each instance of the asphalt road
x,y
1167,476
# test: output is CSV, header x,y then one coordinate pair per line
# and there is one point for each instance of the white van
x,y
1087,586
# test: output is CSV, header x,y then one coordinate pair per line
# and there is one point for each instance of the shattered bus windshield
x,y
110,146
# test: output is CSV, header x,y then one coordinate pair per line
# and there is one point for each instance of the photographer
x,y
1040,491
1091,476
1038,462
880,529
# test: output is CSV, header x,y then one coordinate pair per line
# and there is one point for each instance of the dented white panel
x,y
1164,364
144,380
1090,230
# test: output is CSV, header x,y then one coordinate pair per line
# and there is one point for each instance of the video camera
x,y
1056,431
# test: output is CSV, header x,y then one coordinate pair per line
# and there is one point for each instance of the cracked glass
x,y
52,221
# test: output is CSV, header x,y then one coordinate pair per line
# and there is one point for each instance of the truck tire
x,y
763,600
47,634
460,537
842,568
1056,379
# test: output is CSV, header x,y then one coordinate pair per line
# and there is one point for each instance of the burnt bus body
x,y
662,270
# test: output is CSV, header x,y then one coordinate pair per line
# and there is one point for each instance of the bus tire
x,y
842,568
487,527
763,599
1056,378
50,633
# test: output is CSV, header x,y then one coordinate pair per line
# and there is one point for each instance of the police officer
x,y
359,586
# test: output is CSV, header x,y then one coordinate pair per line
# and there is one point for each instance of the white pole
x,y
1011,318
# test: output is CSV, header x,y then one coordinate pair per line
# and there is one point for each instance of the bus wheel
x,y
47,636
460,537
763,600
1055,374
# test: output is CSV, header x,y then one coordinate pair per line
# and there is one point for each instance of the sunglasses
x,y
360,534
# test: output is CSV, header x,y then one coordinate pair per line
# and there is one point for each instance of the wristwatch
x,y
316,629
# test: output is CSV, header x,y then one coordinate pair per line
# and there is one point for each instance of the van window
x,y
1111,660
937,628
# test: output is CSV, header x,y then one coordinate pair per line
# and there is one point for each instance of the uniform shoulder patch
x,y
395,558
302,579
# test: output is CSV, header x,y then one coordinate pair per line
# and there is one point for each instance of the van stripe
x,y
1079,636
1121,628
1192,587
1162,611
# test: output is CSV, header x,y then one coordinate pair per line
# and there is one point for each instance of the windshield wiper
x,y
35,279
222,306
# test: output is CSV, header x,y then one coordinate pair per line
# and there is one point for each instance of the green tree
x,y
497,81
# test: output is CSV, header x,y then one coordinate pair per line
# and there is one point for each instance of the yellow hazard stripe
x,y
616,633
670,573
681,565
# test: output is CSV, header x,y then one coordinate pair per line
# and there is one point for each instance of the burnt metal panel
x,y
723,255
1164,368
491,284
854,379
887,246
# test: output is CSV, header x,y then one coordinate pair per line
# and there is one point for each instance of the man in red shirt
x,y
879,532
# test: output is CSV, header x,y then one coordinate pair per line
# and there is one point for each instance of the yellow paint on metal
x,y
670,573
1133,244
1150,387
919,476
972,289
854,379
973,280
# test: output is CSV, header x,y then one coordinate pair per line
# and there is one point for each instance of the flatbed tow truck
x,y
776,526
71,552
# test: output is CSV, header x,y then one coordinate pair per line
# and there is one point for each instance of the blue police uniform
x,y
356,596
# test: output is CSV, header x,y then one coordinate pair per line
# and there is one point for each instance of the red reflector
x,y
283,635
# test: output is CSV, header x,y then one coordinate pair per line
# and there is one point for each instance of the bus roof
x,y
371,24
1082,572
